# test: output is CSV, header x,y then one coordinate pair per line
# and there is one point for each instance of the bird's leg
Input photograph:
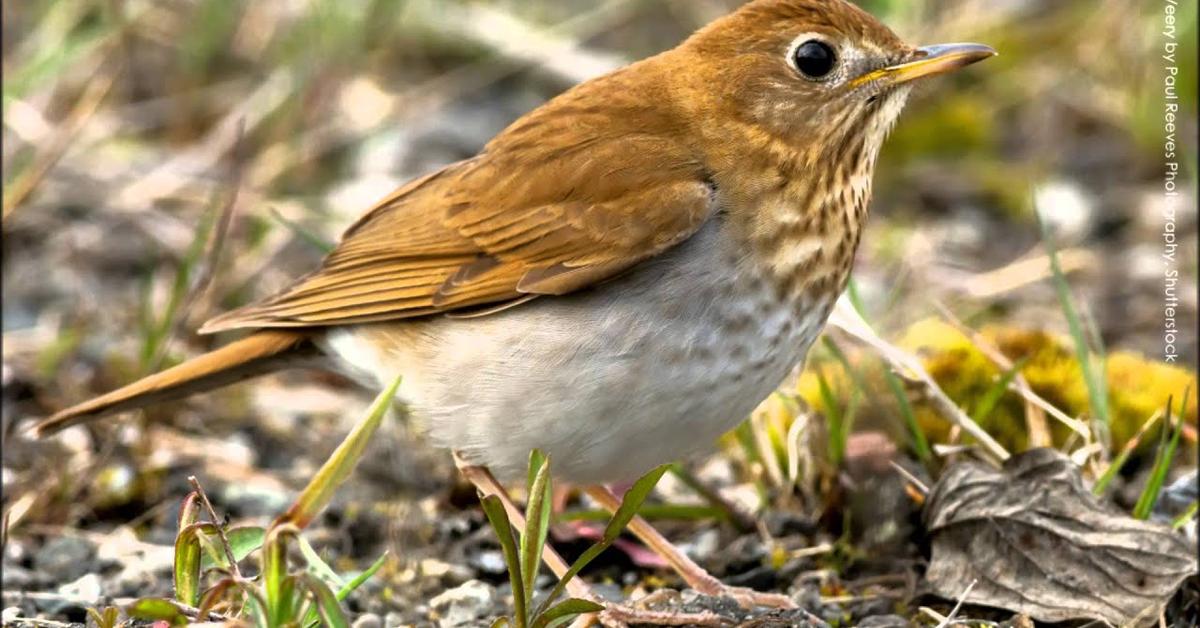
x,y
614,615
694,575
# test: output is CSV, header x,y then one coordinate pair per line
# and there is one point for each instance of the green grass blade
x,y
1187,516
1091,365
357,581
320,489
566,610
327,604
1162,465
153,343
991,398
920,443
317,242
1116,465
494,509
834,419
628,509
537,521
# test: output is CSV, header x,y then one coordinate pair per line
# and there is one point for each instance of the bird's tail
x,y
257,354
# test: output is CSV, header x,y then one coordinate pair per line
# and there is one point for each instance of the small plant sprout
x,y
522,549
279,596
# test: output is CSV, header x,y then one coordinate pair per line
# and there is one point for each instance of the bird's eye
x,y
815,59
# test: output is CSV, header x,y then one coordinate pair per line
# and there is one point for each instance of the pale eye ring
x,y
814,59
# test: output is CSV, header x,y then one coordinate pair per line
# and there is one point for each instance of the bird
x,y
622,274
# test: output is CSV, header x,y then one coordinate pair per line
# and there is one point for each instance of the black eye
x,y
815,59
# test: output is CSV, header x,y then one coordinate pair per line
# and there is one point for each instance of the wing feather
x,y
594,195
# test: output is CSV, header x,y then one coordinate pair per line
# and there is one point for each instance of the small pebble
x,y
86,590
703,546
368,620
253,501
14,578
65,558
489,562
884,621
464,604
447,573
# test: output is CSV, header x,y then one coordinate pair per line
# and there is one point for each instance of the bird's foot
x,y
643,613
622,616
745,597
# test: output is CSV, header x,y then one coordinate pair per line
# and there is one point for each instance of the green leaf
x,y
215,593
319,567
1162,464
566,610
108,618
537,521
150,609
310,618
626,512
189,511
502,622
187,562
327,603
358,580
242,541
632,502
536,461
320,490
277,585
494,509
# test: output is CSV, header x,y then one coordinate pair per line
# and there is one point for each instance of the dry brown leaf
x,y
1040,544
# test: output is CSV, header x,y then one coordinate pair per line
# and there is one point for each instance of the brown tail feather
x,y
254,355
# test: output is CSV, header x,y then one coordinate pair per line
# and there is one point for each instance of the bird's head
x,y
811,71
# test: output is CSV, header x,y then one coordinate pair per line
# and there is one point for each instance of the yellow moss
x,y
1138,387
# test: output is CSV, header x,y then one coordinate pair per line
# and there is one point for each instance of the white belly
x,y
609,382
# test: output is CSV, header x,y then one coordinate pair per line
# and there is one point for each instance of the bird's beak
x,y
928,61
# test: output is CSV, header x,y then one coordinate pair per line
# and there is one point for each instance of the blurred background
x,y
167,160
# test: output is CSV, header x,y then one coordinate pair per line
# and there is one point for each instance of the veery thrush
x,y
622,274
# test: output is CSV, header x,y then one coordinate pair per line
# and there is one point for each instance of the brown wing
x,y
563,199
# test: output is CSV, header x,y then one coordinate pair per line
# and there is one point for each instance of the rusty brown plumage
x,y
735,168
626,271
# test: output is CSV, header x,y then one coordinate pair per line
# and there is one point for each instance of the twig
x,y
84,109
912,479
1039,432
34,621
237,574
957,607
1031,268
909,368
